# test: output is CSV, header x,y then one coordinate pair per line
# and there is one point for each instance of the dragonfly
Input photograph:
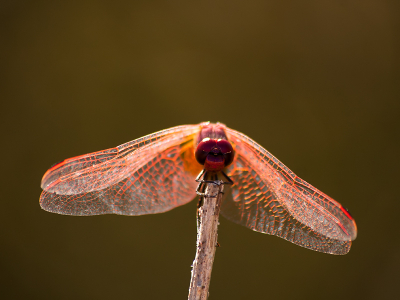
x,y
166,169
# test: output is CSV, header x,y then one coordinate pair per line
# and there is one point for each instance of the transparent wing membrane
x,y
148,175
255,205
269,198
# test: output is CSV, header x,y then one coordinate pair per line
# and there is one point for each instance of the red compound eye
x,y
203,148
226,150
214,147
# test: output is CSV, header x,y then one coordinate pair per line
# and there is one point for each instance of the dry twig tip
x,y
206,241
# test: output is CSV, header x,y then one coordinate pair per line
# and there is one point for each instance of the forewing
x,y
98,170
147,175
269,198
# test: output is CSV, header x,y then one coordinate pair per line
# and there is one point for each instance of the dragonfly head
x,y
214,154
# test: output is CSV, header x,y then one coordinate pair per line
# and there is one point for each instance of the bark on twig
x,y
206,242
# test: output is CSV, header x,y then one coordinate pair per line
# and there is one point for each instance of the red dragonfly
x,y
158,172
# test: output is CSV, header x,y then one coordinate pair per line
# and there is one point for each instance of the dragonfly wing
x,y
98,170
149,175
269,198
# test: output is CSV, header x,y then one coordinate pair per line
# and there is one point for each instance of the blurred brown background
x,y
315,82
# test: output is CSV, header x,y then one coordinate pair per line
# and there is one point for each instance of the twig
x,y
206,241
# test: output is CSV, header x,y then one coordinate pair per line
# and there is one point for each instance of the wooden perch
x,y
206,241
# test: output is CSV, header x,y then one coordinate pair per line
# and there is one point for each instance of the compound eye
x,y
203,148
228,158
224,146
227,150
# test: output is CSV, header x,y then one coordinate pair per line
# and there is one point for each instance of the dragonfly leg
x,y
200,175
227,177
214,179
200,187
202,182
